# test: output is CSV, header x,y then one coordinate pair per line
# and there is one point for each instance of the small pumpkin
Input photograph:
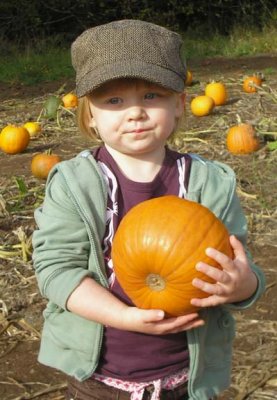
x,y
14,139
34,128
250,83
70,100
42,163
189,77
202,105
217,91
155,250
241,139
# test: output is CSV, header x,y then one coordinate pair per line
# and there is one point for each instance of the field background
x,y
255,363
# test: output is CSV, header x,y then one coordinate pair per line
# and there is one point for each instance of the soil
x,y
254,373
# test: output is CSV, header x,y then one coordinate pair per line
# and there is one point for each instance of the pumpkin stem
x,y
238,119
155,282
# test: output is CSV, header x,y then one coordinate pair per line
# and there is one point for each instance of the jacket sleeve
x,y
213,184
60,244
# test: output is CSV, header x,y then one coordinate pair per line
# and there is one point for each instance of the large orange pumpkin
x,y
156,248
14,139
241,139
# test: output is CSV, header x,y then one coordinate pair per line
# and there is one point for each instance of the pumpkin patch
x,y
156,248
21,193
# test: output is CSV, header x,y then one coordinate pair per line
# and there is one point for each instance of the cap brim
x,y
133,69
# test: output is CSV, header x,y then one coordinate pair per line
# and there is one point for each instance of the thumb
x,y
238,248
152,315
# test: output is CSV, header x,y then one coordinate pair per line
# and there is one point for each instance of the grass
x,y
241,42
49,60
40,63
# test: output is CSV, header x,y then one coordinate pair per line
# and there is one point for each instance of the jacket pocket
x,y
69,331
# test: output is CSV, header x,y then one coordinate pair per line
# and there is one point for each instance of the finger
x,y
239,251
195,324
178,324
210,301
181,320
216,274
210,288
221,258
186,327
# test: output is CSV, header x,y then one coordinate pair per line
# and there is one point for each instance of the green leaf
x,y
51,106
272,145
21,185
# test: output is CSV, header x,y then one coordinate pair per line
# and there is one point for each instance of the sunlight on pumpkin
x,y
156,247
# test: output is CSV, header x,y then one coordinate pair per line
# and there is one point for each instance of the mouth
x,y
139,130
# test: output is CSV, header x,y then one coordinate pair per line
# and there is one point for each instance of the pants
x,y
95,390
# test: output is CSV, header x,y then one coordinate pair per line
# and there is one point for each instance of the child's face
x,y
133,116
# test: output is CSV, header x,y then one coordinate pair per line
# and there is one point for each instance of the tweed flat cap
x,y
128,49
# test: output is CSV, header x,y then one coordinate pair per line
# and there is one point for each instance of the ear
x,y
92,123
180,104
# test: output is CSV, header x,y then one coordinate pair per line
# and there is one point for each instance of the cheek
x,y
107,123
168,119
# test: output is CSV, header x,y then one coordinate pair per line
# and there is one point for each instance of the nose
x,y
136,113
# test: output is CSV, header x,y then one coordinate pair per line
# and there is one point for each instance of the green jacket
x,y
67,247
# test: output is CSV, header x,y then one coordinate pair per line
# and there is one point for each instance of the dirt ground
x,y
255,363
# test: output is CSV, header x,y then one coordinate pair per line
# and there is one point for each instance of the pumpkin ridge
x,y
137,252
200,249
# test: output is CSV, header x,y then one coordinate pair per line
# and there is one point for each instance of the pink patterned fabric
x,y
137,389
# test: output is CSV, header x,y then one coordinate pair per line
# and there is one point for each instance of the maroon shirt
x,y
130,355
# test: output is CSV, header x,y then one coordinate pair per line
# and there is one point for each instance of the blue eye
x,y
150,96
114,100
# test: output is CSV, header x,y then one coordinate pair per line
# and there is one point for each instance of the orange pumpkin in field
x,y
202,105
14,139
70,100
156,248
33,127
250,83
217,91
42,163
241,139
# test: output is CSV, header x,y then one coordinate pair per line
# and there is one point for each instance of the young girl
x,y
130,80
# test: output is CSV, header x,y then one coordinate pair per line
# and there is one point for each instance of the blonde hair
x,y
84,118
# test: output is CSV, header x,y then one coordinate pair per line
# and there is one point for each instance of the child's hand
x,y
236,281
153,322
96,303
